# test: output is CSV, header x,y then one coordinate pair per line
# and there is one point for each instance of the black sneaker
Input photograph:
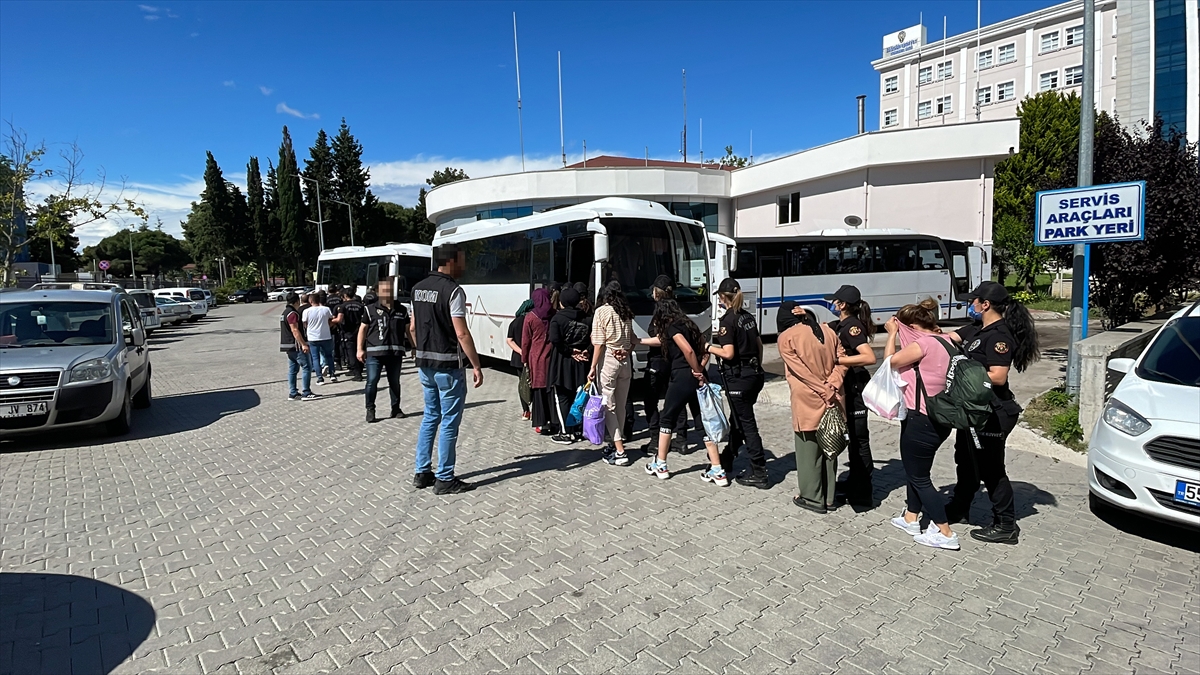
x,y
997,534
956,514
371,419
754,480
398,414
451,487
422,480
563,439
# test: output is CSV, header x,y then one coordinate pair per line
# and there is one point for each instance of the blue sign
x,y
1091,215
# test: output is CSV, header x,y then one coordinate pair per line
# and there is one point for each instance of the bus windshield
x,y
641,250
366,271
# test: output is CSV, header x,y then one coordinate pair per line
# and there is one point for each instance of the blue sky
x,y
146,88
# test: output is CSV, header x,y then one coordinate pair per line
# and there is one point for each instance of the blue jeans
x,y
298,362
445,396
321,350
375,366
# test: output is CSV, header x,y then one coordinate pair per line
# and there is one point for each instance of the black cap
x,y
664,282
847,294
569,297
990,291
729,286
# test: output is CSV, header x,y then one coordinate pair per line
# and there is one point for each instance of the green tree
x,y
257,204
319,168
1049,140
154,252
209,228
730,159
350,185
424,228
291,211
271,198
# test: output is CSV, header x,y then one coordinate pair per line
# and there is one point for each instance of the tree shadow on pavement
x,y
1146,528
527,465
167,415
56,623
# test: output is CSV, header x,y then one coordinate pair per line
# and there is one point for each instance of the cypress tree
x,y
350,182
256,202
291,210
319,167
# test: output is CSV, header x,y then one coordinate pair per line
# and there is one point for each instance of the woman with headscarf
x,y
535,353
810,351
570,360
514,343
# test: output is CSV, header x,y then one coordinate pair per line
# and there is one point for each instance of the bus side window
x,y
930,254
747,267
372,275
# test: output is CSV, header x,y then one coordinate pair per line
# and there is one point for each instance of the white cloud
x,y
285,109
172,15
230,83
266,91
151,17
194,35
147,8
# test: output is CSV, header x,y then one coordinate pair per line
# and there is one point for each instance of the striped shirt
x,y
609,330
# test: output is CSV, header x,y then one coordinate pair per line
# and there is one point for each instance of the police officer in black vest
x,y
332,300
292,343
348,319
740,348
381,340
855,329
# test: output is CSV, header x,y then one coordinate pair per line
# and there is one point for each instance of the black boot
x,y
957,513
397,413
754,479
999,532
727,457
371,419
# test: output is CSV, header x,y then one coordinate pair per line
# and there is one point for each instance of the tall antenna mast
x,y
562,143
685,115
751,146
520,124
701,140
978,23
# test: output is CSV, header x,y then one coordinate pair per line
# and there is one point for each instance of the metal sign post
x,y
1087,137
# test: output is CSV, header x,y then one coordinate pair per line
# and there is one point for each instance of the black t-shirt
x,y
738,329
674,353
851,333
992,346
514,334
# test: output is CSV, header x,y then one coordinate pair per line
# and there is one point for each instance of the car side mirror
x,y
1121,365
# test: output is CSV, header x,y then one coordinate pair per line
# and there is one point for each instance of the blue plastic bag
x,y
575,417
712,413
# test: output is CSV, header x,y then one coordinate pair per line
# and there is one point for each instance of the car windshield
x,y
28,324
196,295
641,250
1175,355
143,300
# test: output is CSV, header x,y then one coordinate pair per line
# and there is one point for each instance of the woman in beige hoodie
x,y
810,351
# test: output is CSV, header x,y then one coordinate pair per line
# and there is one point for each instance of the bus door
x,y
960,277
542,264
770,291
581,260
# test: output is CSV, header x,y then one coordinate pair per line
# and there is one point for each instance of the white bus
x,y
629,240
891,268
363,266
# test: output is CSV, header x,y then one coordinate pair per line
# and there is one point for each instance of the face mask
x,y
973,313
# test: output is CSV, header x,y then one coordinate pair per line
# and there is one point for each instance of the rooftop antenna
x,y
685,115
647,155
978,18
520,124
585,153
562,143
751,146
702,140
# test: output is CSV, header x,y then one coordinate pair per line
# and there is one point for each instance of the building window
x,y
1074,36
891,84
1048,81
924,110
1049,42
943,105
1005,91
789,208
983,59
945,70
983,96
1171,62
891,117
925,75
1006,53
1073,76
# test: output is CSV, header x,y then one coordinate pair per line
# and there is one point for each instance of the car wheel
x,y
143,397
120,426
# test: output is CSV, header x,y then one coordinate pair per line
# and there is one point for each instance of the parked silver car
x,y
71,358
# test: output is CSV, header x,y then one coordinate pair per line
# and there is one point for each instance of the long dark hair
x,y
667,313
862,311
614,297
1020,323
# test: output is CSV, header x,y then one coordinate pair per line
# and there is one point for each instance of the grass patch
x,y
1055,414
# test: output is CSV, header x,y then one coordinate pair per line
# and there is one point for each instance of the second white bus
x,y
363,266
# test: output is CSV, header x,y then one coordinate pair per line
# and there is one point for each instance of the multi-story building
x,y
1147,54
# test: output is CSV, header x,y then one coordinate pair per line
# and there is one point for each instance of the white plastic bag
x,y
712,414
884,394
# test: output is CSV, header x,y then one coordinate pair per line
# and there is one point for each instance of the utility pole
x,y
684,115
520,123
132,266
350,211
1087,138
320,221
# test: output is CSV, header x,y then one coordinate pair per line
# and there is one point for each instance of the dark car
x,y
255,294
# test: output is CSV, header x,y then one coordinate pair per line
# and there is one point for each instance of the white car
x,y
192,296
171,312
1144,455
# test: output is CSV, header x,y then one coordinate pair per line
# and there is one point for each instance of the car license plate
x,y
23,409
1187,493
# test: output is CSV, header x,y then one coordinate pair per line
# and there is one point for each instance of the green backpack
x,y
967,401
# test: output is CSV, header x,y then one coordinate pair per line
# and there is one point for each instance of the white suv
x,y
1144,455
189,296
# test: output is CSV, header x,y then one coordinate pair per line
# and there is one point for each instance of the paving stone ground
x,y
234,531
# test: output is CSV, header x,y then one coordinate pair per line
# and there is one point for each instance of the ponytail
x,y
1020,324
862,311
923,314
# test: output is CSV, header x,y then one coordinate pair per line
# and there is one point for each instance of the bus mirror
x,y
733,259
600,242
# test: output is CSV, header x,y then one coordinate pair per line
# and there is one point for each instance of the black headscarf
x,y
784,320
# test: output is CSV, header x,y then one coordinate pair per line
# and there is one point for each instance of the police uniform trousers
x,y
744,384
349,352
375,366
858,453
986,464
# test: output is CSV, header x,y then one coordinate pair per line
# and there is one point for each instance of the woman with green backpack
x,y
922,364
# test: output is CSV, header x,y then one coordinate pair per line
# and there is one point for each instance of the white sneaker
x,y
913,528
933,537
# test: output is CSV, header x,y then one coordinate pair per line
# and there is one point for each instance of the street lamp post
x,y
320,221
132,265
350,211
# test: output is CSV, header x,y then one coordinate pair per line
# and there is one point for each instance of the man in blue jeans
x,y
442,339
292,343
